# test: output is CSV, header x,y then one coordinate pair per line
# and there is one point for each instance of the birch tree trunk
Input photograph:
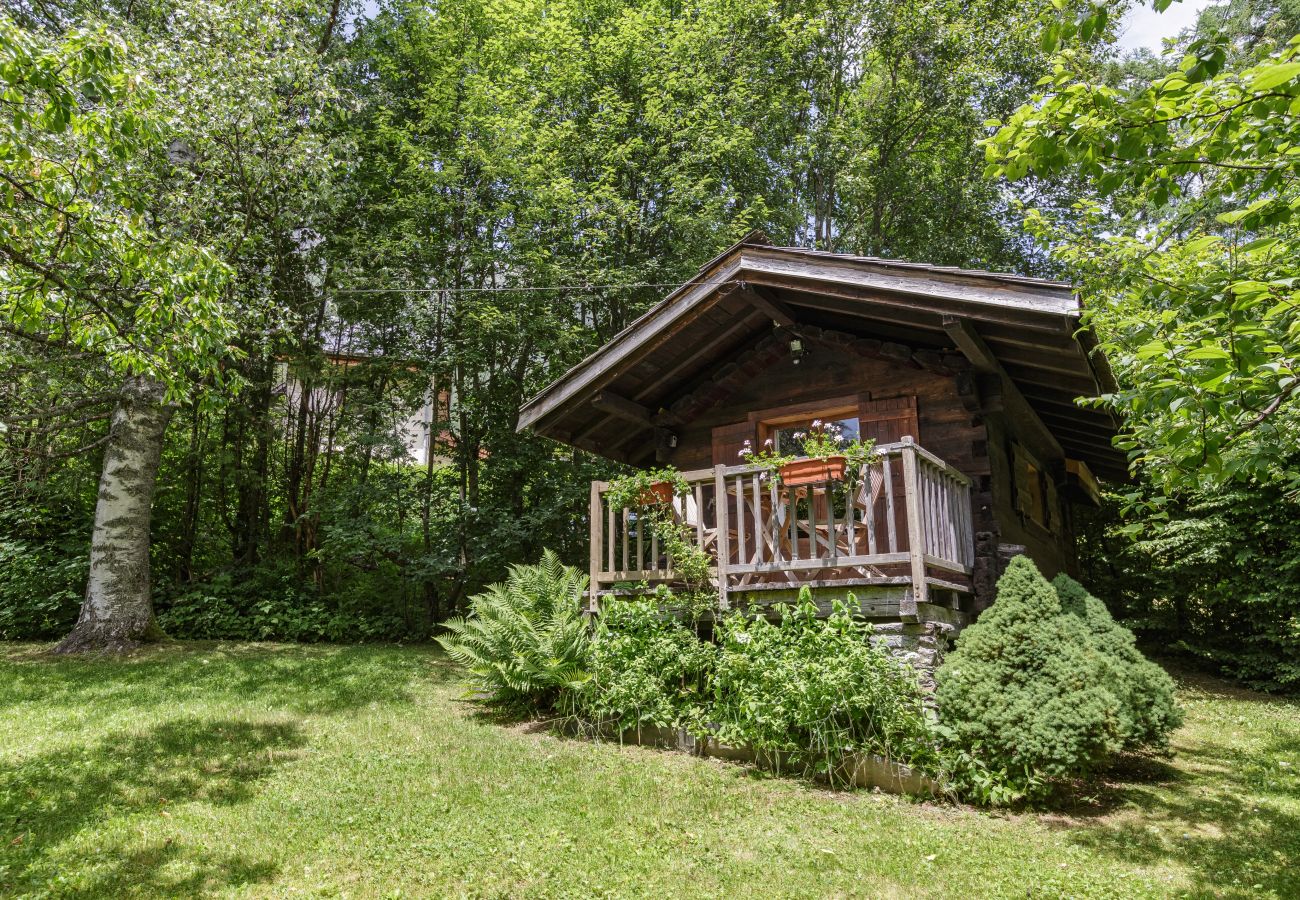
x,y
117,613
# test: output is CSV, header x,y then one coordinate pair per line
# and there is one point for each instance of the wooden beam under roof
x,y
963,334
623,408
766,302
701,352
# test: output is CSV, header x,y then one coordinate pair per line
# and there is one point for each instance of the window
x,y
780,425
789,438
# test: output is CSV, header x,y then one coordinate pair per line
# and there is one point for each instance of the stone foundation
x,y
920,644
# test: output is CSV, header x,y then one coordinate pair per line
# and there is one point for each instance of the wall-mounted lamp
x,y
797,352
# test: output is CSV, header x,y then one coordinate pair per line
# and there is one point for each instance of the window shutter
x,y
888,421
727,441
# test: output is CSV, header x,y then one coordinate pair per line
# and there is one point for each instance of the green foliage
x,y
1216,574
1147,713
42,567
646,668
266,605
1025,691
40,589
525,639
690,562
1185,243
816,688
82,263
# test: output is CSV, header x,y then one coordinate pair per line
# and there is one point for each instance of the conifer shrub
x,y
1147,712
1025,693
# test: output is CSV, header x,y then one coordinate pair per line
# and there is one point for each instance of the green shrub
x,y
1025,692
1147,713
646,668
817,688
525,640
271,604
41,585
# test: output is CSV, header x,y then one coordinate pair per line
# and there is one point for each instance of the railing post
x,y
724,537
915,531
593,586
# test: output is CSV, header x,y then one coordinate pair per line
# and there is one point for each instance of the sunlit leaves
x,y
81,263
1187,253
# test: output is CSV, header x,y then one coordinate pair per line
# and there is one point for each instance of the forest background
x,y
300,221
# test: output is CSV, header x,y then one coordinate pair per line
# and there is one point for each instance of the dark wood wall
x,y
949,423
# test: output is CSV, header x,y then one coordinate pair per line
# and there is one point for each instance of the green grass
x,y
270,770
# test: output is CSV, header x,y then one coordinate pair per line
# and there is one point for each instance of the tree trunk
x,y
117,613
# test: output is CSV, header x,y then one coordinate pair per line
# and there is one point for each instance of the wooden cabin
x,y
966,380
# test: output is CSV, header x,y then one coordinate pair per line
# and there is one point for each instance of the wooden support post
x,y
594,512
915,532
724,537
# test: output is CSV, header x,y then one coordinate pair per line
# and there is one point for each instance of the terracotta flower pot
x,y
658,494
813,471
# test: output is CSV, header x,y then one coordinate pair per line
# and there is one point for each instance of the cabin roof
x,y
1026,328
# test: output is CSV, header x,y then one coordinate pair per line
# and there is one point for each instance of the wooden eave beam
x,y
701,352
963,334
765,301
623,408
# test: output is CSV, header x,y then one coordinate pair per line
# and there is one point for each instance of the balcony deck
x,y
899,537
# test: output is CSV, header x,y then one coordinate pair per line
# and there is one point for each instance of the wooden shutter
x,y
727,441
887,421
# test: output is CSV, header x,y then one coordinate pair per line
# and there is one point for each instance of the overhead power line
x,y
530,288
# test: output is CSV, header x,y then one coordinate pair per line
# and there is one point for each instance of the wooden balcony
x,y
899,536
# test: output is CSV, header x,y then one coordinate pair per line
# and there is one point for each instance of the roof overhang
x,y
1029,327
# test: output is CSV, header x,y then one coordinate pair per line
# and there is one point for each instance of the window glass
x,y
789,439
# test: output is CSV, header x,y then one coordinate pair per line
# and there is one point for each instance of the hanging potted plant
x,y
827,456
657,493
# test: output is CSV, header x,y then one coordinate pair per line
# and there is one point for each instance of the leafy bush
x,y
41,586
1214,573
270,604
44,559
817,688
1025,691
1147,713
646,668
525,640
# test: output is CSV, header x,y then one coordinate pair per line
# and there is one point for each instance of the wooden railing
x,y
907,512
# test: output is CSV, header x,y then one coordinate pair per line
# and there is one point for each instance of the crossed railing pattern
x,y
907,510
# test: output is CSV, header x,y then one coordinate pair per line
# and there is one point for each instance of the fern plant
x,y
524,642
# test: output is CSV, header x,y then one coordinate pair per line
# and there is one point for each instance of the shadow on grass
x,y
303,679
1229,814
49,799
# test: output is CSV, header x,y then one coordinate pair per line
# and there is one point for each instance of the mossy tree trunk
x,y
117,613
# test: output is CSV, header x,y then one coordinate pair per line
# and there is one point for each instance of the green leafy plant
x,y
690,563
1026,689
525,640
646,668
766,457
816,689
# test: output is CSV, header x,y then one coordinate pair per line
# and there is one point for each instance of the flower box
x,y
813,471
658,494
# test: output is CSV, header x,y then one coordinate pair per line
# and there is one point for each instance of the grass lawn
x,y
356,771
